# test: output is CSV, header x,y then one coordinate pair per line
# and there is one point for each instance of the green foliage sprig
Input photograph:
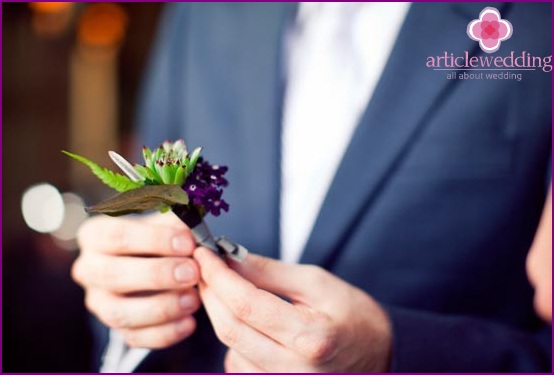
x,y
114,180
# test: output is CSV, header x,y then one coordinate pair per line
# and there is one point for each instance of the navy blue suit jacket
x,y
435,204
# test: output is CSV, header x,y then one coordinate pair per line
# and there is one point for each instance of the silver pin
x,y
232,250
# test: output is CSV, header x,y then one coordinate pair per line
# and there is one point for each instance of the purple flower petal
x,y
203,186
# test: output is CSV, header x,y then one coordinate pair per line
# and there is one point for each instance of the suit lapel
x,y
260,125
234,101
405,98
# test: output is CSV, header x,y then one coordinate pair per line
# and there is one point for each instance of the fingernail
x,y
181,243
187,301
183,273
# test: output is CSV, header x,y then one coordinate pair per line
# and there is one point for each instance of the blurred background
x,y
71,74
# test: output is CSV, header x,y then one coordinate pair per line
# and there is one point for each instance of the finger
x,y
235,363
162,336
118,311
132,274
306,331
306,284
263,311
166,219
259,349
134,237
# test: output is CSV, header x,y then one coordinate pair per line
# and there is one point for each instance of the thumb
x,y
305,284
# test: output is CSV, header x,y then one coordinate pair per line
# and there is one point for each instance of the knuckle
x,y
160,272
132,338
77,271
151,235
114,234
109,312
320,346
162,219
90,302
242,306
319,350
163,313
83,233
141,339
116,318
84,270
263,263
315,275
228,335
159,337
106,273
90,229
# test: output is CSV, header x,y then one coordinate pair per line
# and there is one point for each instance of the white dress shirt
x,y
335,55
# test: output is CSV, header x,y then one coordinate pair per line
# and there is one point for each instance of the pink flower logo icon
x,y
489,30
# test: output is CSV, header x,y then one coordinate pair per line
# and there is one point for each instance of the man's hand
x,y
138,277
329,325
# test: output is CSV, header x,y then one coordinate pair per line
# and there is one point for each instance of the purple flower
x,y
204,187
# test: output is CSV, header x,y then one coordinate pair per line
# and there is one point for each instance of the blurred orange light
x,y
102,25
50,7
51,19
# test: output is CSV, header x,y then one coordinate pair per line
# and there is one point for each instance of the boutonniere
x,y
170,179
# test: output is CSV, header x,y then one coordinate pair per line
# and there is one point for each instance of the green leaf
x,y
193,160
165,174
158,168
147,155
186,163
158,154
114,180
152,164
149,197
174,169
145,172
180,176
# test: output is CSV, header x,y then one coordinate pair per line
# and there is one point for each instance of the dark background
x,y
45,327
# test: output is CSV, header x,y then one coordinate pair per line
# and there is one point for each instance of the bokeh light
x,y
74,216
43,208
51,19
102,25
